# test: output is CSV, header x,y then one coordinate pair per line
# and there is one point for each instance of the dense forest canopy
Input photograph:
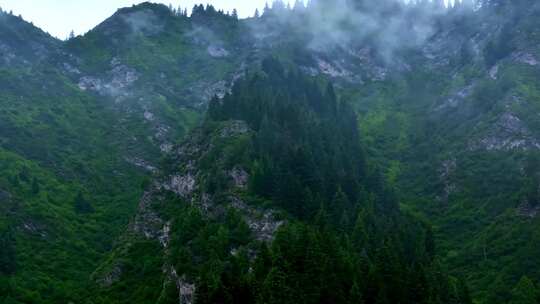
x,y
346,151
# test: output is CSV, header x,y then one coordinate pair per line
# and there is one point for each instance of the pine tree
x,y
439,4
355,296
82,205
275,289
266,9
524,292
35,186
298,6
463,292
7,252
340,204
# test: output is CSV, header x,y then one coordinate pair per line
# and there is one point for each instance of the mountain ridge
x,y
456,106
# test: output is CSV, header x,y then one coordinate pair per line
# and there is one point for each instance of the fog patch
x,y
388,26
143,22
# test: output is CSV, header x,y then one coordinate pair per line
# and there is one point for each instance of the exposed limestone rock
x,y
161,131
186,291
148,116
235,128
141,163
114,84
166,148
240,177
181,185
525,58
111,277
508,133
493,72
525,209
333,69
379,74
184,182
217,51
447,169
33,228
122,77
218,89
164,238
147,222
71,69
263,223
456,98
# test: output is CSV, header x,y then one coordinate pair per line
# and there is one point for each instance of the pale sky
x,y
59,17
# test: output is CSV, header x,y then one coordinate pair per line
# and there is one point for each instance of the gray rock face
x,y
456,98
332,69
183,185
235,128
508,133
525,209
445,173
526,58
493,72
217,51
115,83
111,277
186,291
34,228
147,222
240,177
185,182
263,223
218,89
141,163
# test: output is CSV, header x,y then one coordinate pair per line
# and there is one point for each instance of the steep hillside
x,y
153,157
63,181
459,137
270,201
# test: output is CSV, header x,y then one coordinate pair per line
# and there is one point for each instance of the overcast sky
x,y
59,17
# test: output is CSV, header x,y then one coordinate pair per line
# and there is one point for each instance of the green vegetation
x,y
444,150
345,240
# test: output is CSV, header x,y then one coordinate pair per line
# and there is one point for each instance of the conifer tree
x,y
524,292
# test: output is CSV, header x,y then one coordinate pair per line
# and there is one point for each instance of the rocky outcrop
x,y
147,222
445,174
183,185
263,223
111,277
240,177
32,227
455,98
141,163
509,132
186,180
525,58
114,83
217,51
525,209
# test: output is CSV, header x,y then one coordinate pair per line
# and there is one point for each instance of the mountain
x,y
267,169
306,155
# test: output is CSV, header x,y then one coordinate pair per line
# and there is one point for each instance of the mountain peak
x,y
146,18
